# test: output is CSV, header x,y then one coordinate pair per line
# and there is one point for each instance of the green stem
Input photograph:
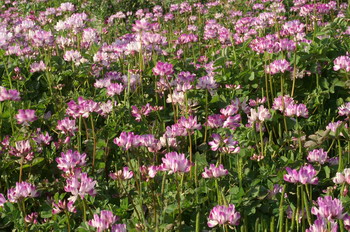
x,y
68,223
94,148
281,211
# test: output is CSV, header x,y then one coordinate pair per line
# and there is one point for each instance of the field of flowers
x,y
225,115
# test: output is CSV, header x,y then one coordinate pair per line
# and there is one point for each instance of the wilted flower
x,y
222,215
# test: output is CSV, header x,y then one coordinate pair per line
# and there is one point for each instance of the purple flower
x,y
74,56
321,226
259,115
347,222
118,228
63,205
174,162
298,110
2,200
124,174
22,149
317,155
25,116
32,218
278,66
127,140
207,82
221,215
67,126
328,208
114,89
189,123
80,185
344,110
37,67
215,121
103,221
214,172
21,191
306,174
11,94
70,160
342,62
282,102
163,69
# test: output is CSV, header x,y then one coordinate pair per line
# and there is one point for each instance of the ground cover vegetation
x,y
224,115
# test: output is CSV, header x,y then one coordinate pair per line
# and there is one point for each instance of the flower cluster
x,y
21,191
305,175
222,215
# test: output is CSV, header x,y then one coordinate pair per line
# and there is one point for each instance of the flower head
x,y
25,116
174,162
214,172
221,215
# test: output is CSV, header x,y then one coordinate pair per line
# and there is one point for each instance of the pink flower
x,y
278,66
342,62
259,115
37,67
282,102
328,208
2,200
344,110
32,218
103,221
21,191
127,140
124,174
189,123
22,149
317,155
11,94
207,82
63,205
67,126
221,215
114,89
306,174
214,172
174,162
118,228
339,178
80,185
70,160
163,69
75,57
298,110
25,116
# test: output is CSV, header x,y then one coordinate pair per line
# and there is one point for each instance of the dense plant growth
x,y
191,116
